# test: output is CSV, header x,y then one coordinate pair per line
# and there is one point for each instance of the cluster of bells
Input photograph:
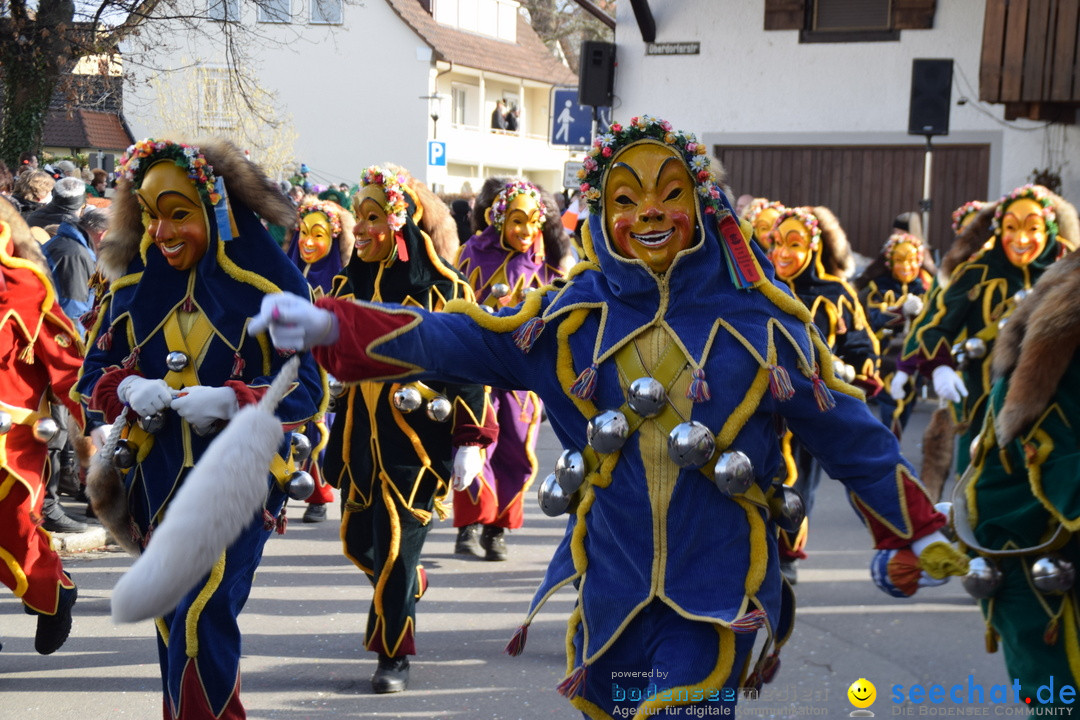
x,y
408,398
498,291
299,485
843,371
690,445
1017,297
44,429
970,349
1050,574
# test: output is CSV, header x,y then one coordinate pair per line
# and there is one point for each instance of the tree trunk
x,y
27,93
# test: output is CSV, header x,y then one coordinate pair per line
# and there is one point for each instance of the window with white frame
x,y
216,110
273,11
224,10
463,110
326,12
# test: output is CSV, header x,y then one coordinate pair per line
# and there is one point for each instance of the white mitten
x,y
203,406
948,385
468,462
912,306
144,396
897,387
294,323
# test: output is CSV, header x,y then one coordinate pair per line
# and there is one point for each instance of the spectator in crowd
x,y
33,188
66,168
27,161
498,116
459,210
296,194
511,118
98,181
7,185
68,198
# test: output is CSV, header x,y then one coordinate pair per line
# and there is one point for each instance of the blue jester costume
x,y
736,353
189,328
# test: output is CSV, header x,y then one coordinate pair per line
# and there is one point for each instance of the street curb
x,y
93,539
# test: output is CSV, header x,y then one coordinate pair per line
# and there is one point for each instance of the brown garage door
x,y
866,186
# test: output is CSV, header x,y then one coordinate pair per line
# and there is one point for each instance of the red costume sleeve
x,y
358,328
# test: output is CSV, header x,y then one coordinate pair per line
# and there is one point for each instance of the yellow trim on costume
x,y
21,583
1045,446
1072,645
191,620
725,664
163,630
530,308
866,511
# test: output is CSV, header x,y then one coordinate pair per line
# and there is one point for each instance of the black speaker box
x,y
596,77
931,97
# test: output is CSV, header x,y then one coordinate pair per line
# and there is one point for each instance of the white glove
x,y
468,462
896,387
912,306
144,396
294,323
203,406
99,435
948,385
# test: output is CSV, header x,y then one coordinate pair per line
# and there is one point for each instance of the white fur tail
x,y
219,498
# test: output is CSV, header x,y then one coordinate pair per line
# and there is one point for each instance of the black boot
x,y
58,521
53,630
494,542
392,675
315,513
468,541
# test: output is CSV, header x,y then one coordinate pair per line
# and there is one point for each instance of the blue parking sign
x,y
571,123
436,153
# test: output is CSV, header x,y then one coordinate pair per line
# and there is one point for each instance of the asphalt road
x,y
304,623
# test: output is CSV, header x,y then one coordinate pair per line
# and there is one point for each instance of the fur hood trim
x,y
26,247
1037,345
836,256
244,181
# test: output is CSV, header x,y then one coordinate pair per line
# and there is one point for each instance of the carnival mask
x,y
763,226
173,214
1023,231
905,262
521,228
374,238
792,248
649,205
316,236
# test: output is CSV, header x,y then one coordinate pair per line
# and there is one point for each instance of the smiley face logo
x,y
862,693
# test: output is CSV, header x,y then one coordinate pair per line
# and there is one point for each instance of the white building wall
x,y
353,90
754,86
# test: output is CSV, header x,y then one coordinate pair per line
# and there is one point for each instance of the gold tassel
x,y
26,355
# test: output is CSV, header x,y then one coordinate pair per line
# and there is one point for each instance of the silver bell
x,y
152,423
1053,574
789,509
439,408
124,455
849,374
734,473
607,432
5,422
500,290
1020,294
838,367
691,444
983,578
300,447
335,387
973,448
300,485
646,396
45,429
407,398
945,508
1002,322
570,471
975,348
553,501
176,361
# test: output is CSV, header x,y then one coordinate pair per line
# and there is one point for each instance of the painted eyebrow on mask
x,y
632,171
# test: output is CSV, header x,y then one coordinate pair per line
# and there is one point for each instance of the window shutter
x,y
785,14
913,14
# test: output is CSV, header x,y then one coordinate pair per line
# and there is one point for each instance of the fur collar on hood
x,y
1037,345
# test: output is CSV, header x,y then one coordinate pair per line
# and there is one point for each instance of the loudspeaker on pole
x,y
931,97
596,76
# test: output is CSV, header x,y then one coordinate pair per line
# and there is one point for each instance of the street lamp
x,y
434,105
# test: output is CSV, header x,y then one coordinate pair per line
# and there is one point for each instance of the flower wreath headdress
x,y
759,206
963,211
648,127
1039,194
138,158
327,209
393,185
809,221
507,195
902,237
